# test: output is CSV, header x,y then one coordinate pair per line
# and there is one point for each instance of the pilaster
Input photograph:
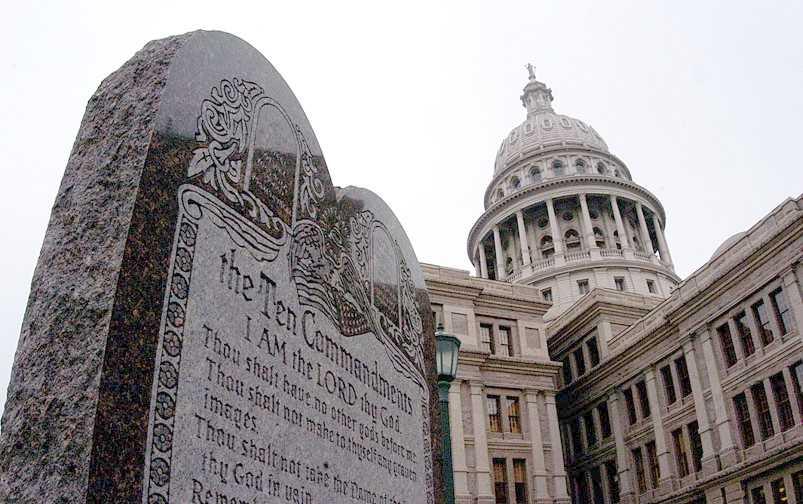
x,y
458,442
539,463
481,460
558,470
710,461
727,450
664,458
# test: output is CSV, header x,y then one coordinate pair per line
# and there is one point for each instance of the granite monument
x,y
210,319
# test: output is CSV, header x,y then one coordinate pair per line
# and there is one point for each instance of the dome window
x,y
565,123
616,173
579,166
599,237
557,168
543,223
601,168
617,240
572,239
547,247
547,124
535,174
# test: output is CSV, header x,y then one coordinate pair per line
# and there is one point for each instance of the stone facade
x,y
624,383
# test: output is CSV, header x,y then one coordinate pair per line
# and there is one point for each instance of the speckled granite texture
x,y
82,394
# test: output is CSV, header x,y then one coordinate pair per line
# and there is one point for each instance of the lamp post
x,y
447,348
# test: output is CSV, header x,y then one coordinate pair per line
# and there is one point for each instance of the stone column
x,y
727,450
500,261
622,465
525,248
663,249
458,444
664,459
558,471
645,234
557,238
539,463
620,227
483,261
710,462
588,227
481,462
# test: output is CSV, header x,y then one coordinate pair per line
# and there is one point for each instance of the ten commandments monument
x,y
211,320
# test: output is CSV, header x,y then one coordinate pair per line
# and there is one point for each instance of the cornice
x,y
602,262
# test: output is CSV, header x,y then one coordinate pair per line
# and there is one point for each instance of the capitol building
x,y
590,372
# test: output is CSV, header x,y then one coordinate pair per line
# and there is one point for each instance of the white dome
x,y
546,129
728,243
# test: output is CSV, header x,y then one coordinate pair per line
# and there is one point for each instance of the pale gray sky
x,y
702,100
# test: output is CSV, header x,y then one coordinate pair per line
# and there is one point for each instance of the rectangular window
x,y
500,480
763,323
643,399
605,420
613,481
797,384
619,282
486,335
680,452
593,351
547,295
762,406
582,286
505,348
513,415
596,485
781,309
743,417
577,436
797,482
591,432
669,385
782,403
726,342
581,488
779,492
579,361
744,334
696,447
652,459
683,376
757,495
631,406
520,480
651,287
494,420
567,371
638,463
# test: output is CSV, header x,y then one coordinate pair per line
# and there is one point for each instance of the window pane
x,y
644,401
781,309
680,453
591,432
763,410
696,446
683,376
613,481
757,495
763,323
579,361
638,463
500,481
596,486
782,403
593,351
604,420
797,481
725,340
652,459
520,480
744,334
513,416
779,492
486,335
504,342
669,385
797,384
567,371
743,417
631,406
494,420
577,437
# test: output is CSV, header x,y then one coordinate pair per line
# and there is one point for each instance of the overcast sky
x,y
702,100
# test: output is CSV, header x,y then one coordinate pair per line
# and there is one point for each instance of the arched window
x,y
547,247
616,173
572,239
601,168
557,168
579,166
535,174
617,240
515,183
599,237
637,244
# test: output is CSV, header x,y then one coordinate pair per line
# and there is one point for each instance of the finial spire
x,y
531,70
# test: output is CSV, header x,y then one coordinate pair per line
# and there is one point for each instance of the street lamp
x,y
447,348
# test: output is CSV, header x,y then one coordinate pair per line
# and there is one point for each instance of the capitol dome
x,y
543,128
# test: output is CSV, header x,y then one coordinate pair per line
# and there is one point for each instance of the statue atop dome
x,y
531,70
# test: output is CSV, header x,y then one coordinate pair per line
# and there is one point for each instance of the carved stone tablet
x,y
251,333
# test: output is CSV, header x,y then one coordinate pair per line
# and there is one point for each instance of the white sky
x,y
702,100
